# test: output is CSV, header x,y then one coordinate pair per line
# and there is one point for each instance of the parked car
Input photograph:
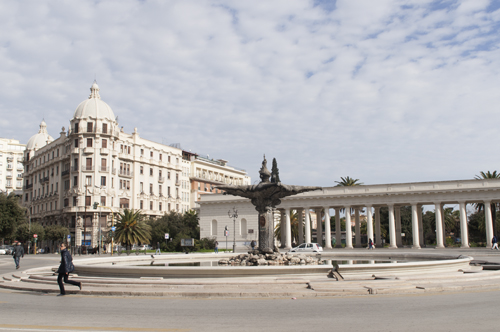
x,y
6,250
307,247
143,247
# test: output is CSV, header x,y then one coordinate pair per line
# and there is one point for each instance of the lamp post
x,y
233,215
85,221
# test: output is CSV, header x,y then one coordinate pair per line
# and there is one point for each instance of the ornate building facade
x,y
95,161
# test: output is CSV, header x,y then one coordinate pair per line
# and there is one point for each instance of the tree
x,y
25,232
348,182
178,226
131,228
12,214
56,233
480,206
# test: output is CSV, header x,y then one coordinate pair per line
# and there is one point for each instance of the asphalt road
x,y
465,311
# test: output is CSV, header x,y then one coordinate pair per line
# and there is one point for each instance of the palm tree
x,y
348,182
294,222
131,228
480,206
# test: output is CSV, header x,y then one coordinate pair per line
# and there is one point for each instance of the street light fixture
x,y
233,215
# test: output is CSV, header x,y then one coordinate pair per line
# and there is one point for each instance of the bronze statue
x,y
265,196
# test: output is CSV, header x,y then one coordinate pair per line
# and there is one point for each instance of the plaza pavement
x,y
306,286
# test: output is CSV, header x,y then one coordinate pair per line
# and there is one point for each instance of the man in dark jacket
x,y
18,253
64,269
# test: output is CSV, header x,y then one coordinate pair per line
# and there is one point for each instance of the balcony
x,y
104,151
28,186
177,182
113,171
86,168
64,173
8,176
19,176
75,150
161,179
126,173
10,159
9,166
103,169
88,150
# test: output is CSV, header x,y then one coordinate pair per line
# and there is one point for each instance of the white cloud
x,y
384,91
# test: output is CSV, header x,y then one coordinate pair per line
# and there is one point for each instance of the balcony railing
x,y
104,169
161,179
126,173
86,168
29,186
64,173
113,171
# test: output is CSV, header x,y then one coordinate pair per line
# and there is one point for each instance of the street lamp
x,y
233,215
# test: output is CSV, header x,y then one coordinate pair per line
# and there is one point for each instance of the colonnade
x,y
373,225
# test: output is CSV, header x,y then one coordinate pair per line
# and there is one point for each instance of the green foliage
x,y
24,232
178,226
294,222
131,228
56,233
348,182
12,214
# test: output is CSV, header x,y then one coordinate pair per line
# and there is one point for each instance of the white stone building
x,y
11,165
97,162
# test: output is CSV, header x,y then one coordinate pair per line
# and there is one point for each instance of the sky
x,y
385,91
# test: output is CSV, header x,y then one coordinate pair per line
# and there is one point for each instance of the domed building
x,y
94,170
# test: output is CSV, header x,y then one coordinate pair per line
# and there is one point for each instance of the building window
x,y
151,154
142,152
88,166
141,205
104,128
160,156
168,158
74,201
168,175
159,206
57,186
105,143
103,181
150,188
89,142
151,205
103,200
159,189
76,127
168,207
88,180
141,170
75,181
66,202
88,201
76,143
90,127
151,172
141,188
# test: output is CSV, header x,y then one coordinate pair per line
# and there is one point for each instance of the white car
x,y
307,247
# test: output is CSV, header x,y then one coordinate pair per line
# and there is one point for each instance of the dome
x,y
94,107
39,140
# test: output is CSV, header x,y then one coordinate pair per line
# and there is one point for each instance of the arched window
x,y
213,227
243,227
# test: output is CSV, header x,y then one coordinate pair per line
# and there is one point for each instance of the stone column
x,y
369,223
282,228
392,228
288,230
489,223
348,229
78,231
308,225
338,229
420,226
464,230
415,229
300,220
357,227
319,227
95,230
328,229
378,235
439,225
397,216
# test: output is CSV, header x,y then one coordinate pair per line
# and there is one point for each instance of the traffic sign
x,y
167,236
69,236
113,228
226,233
35,236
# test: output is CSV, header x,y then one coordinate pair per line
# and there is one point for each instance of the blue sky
x,y
384,91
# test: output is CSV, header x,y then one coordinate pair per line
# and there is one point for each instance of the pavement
x,y
35,276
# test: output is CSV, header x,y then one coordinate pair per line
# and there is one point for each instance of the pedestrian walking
x,y
216,250
158,250
494,242
64,269
370,244
252,244
18,253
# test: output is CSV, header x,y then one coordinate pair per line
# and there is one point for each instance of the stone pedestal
x,y
266,231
